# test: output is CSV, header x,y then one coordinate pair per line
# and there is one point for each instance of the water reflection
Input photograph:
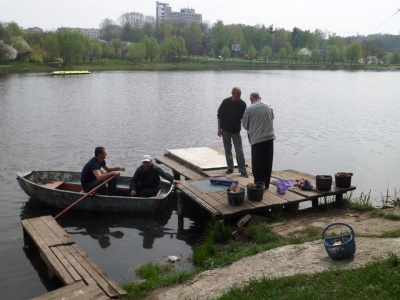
x,y
106,227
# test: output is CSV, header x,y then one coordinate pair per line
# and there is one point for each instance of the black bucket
x,y
323,182
343,179
236,199
257,193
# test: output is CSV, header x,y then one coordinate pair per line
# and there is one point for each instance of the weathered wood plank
x,y
202,158
197,196
222,198
66,251
54,184
59,293
46,234
47,255
314,193
62,255
73,291
100,272
61,234
177,167
89,270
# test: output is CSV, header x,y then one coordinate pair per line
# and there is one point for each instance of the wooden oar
x,y
83,197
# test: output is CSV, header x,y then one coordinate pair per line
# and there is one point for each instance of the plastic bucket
x,y
235,199
343,180
256,194
323,182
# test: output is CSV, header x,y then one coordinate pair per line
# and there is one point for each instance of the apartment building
x,y
93,33
164,13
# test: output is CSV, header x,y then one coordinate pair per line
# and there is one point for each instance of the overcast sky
x,y
343,17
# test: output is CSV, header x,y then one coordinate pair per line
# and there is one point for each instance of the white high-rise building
x,y
164,13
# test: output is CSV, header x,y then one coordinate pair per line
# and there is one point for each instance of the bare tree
x,y
107,27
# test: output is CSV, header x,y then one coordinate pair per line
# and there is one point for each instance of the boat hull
x,y
34,185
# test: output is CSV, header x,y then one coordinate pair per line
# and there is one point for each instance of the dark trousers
x,y
110,190
262,155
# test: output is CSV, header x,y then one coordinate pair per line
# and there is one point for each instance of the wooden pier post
x,y
179,202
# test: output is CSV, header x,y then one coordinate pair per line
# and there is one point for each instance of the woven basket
x,y
341,246
236,199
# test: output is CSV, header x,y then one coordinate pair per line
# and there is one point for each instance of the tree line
x,y
137,38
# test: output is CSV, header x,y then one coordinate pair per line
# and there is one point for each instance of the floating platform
x,y
69,72
199,165
82,277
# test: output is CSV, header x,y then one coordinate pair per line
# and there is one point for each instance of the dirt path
x,y
293,259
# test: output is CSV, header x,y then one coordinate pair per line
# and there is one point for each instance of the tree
x,y
315,56
282,54
22,47
152,48
97,50
333,54
266,51
173,48
192,35
219,37
7,51
304,54
396,57
225,52
137,51
109,30
353,52
71,44
296,33
52,46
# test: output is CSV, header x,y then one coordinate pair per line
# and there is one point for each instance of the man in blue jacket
x,y
258,121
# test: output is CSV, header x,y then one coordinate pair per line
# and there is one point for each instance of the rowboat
x,y
69,72
62,188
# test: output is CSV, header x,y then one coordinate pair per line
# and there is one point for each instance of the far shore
x,y
197,64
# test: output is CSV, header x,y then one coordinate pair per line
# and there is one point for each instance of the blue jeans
x,y
227,139
111,187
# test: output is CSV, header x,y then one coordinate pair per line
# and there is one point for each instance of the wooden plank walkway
x,y
216,202
66,260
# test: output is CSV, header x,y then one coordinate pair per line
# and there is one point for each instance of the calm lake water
x,y
325,122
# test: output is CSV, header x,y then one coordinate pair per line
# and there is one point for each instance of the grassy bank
x,y
225,244
377,280
198,64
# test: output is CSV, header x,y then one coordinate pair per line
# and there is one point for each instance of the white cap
x,y
146,158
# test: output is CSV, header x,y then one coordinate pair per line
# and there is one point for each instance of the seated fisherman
x,y
146,180
92,175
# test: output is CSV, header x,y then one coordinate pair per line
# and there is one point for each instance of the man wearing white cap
x,y
146,180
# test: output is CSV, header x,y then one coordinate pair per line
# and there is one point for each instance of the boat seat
x,y
53,184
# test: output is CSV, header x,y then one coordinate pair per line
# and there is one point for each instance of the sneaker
x,y
229,171
245,175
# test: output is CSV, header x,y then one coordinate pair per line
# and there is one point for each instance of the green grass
x,y
194,64
378,280
155,276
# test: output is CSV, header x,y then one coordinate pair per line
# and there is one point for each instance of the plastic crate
x,y
341,246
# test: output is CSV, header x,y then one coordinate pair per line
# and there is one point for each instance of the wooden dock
x,y
83,279
199,165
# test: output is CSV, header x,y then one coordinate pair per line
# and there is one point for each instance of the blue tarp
x,y
226,182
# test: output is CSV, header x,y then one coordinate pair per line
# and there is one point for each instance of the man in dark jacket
x,y
146,180
230,112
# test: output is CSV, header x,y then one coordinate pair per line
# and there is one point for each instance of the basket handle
x,y
334,224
